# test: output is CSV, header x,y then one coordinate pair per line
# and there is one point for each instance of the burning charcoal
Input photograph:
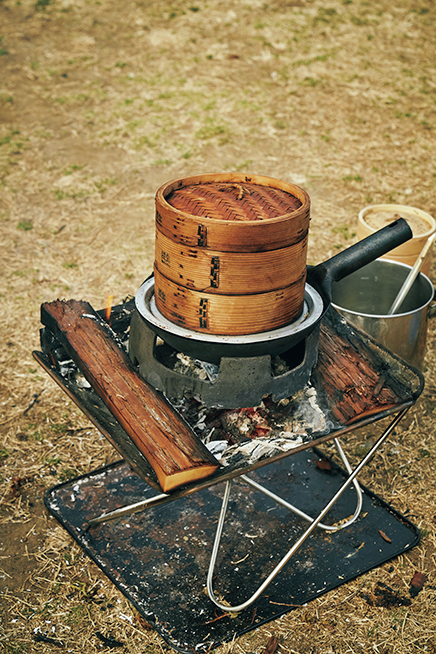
x,y
237,423
243,423
261,431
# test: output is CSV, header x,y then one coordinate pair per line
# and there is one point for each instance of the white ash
x,y
201,422
217,448
260,448
208,438
258,432
66,367
310,415
306,418
80,381
185,365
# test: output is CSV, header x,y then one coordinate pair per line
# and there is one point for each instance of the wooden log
x,y
357,380
174,452
97,412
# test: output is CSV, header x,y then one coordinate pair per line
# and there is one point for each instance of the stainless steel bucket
x,y
365,297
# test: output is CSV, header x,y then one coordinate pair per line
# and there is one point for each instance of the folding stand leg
x,y
297,511
157,500
314,522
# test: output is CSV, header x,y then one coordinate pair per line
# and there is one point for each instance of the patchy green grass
x,y
100,104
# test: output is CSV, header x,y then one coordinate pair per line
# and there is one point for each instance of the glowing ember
x,y
108,306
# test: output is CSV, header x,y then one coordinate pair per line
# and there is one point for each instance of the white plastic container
x,y
423,225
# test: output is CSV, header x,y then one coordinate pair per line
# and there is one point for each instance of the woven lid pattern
x,y
230,201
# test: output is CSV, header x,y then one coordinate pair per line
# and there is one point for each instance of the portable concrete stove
x,y
234,371
226,382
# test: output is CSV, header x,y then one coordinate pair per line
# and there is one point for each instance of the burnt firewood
x,y
357,381
174,452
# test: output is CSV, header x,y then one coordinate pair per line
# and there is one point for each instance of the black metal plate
x,y
159,558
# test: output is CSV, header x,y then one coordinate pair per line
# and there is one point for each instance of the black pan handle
x,y
358,255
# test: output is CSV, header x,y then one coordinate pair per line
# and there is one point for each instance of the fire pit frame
x,y
407,381
314,522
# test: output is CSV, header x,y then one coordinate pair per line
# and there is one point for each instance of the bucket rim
x,y
392,207
390,262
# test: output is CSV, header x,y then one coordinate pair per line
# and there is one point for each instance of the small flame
x,y
108,306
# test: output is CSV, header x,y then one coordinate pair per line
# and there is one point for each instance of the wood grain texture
x,y
97,412
228,314
254,214
358,383
168,444
239,273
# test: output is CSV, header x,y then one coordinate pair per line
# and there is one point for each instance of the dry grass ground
x,y
100,103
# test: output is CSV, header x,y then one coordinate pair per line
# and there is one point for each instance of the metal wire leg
x,y
315,522
302,514
166,497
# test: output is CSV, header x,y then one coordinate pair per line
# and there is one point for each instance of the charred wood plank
x,y
359,381
96,411
174,452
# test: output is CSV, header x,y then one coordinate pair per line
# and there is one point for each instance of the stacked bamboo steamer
x,y
230,255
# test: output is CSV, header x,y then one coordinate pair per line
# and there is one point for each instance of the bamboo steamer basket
x,y
231,252
230,315
256,213
202,269
422,224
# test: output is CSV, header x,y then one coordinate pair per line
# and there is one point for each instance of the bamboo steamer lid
x,y
230,212
231,315
231,252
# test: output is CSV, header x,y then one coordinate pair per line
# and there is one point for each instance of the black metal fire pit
x,y
156,550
